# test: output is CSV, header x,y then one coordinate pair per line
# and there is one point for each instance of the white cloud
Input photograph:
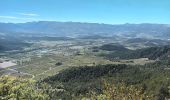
x,y
28,14
26,18
8,17
18,18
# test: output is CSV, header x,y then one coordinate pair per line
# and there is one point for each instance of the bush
x,y
12,88
120,92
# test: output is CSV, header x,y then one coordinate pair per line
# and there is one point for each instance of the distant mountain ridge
x,y
85,29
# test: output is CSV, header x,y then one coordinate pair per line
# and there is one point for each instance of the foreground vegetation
x,y
120,92
12,88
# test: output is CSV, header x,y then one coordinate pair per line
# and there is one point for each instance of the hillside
x,y
10,43
83,80
113,47
153,53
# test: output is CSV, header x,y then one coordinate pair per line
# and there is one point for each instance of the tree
x,y
163,93
20,89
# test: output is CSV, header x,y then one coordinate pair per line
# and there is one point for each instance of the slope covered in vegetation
x,y
82,80
162,53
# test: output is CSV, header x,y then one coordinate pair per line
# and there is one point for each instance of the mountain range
x,y
77,29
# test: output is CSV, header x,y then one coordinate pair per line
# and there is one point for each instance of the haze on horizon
x,y
96,11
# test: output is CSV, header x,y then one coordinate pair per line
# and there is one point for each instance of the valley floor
x,y
40,60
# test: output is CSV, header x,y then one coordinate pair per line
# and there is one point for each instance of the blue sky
x,y
93,11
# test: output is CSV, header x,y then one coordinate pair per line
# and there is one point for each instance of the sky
x,y
91,11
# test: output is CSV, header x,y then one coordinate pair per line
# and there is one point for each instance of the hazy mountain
x,y
73,29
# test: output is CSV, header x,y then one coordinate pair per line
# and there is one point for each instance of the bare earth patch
x,y
7,64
